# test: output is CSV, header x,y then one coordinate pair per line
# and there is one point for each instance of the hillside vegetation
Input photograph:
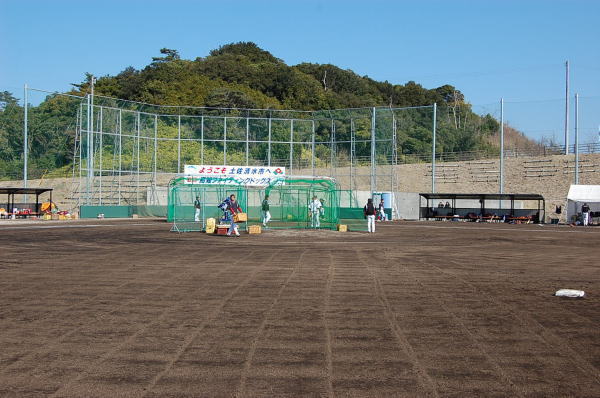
x,y
241,75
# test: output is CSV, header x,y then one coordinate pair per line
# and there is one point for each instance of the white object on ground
x,y
569,293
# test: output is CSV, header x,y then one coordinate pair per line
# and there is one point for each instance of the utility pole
x,y
576,139
567,108
25,141
91,143
373,151
434,128
92,101
502,145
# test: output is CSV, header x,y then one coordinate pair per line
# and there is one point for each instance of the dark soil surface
x,y
129,309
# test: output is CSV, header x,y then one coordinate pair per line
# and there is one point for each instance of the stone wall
x,y
549,176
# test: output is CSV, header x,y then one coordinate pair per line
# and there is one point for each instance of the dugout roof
x,y
23,191
10,193
484,196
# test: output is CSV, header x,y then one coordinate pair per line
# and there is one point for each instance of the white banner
x,y
232,175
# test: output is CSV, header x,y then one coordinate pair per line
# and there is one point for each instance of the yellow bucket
x,y
254,229
240,217
210,225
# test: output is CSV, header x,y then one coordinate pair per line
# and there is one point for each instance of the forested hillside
x,y
239,75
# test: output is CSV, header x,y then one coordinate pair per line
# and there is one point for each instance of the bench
x,y
521,220
20,214
492,218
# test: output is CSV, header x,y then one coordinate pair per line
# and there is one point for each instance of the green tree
x,y
242,75
169,55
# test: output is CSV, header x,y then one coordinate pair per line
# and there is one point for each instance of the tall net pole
x,y
25,139
120,172
91,142
178,144
76,186
576,139
88,152
373,152
269,144
224,140
137,186
567,108
312,149
291,145
433,148
202,140
502,145
156,159
101,149
247,139
333,149
352,153
394,153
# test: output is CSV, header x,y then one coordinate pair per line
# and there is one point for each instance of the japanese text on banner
x,y
232,175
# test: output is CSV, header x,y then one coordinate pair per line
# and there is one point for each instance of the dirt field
x,y
128,309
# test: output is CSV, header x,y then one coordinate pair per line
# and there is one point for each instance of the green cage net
x,y
190,205
291,202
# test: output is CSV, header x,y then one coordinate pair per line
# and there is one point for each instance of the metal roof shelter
x,y
482,209
487,196
580,194
584,193
11,192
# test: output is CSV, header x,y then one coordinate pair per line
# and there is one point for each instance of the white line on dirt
x,y
570,230
76,226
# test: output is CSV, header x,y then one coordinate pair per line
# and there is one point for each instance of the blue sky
x,y
488,49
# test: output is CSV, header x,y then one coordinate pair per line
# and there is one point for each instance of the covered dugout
x,y
289,199
482,207
580,194
12,192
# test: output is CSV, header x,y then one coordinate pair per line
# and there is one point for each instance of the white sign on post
x,y
257,176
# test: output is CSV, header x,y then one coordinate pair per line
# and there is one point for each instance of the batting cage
x,y
190,205
285,203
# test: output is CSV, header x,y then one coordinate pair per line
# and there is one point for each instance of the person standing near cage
x,y
230,208
197,206
315,212
381,210
369,211
266,214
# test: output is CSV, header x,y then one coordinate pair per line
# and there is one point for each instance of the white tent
x,y
580,194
